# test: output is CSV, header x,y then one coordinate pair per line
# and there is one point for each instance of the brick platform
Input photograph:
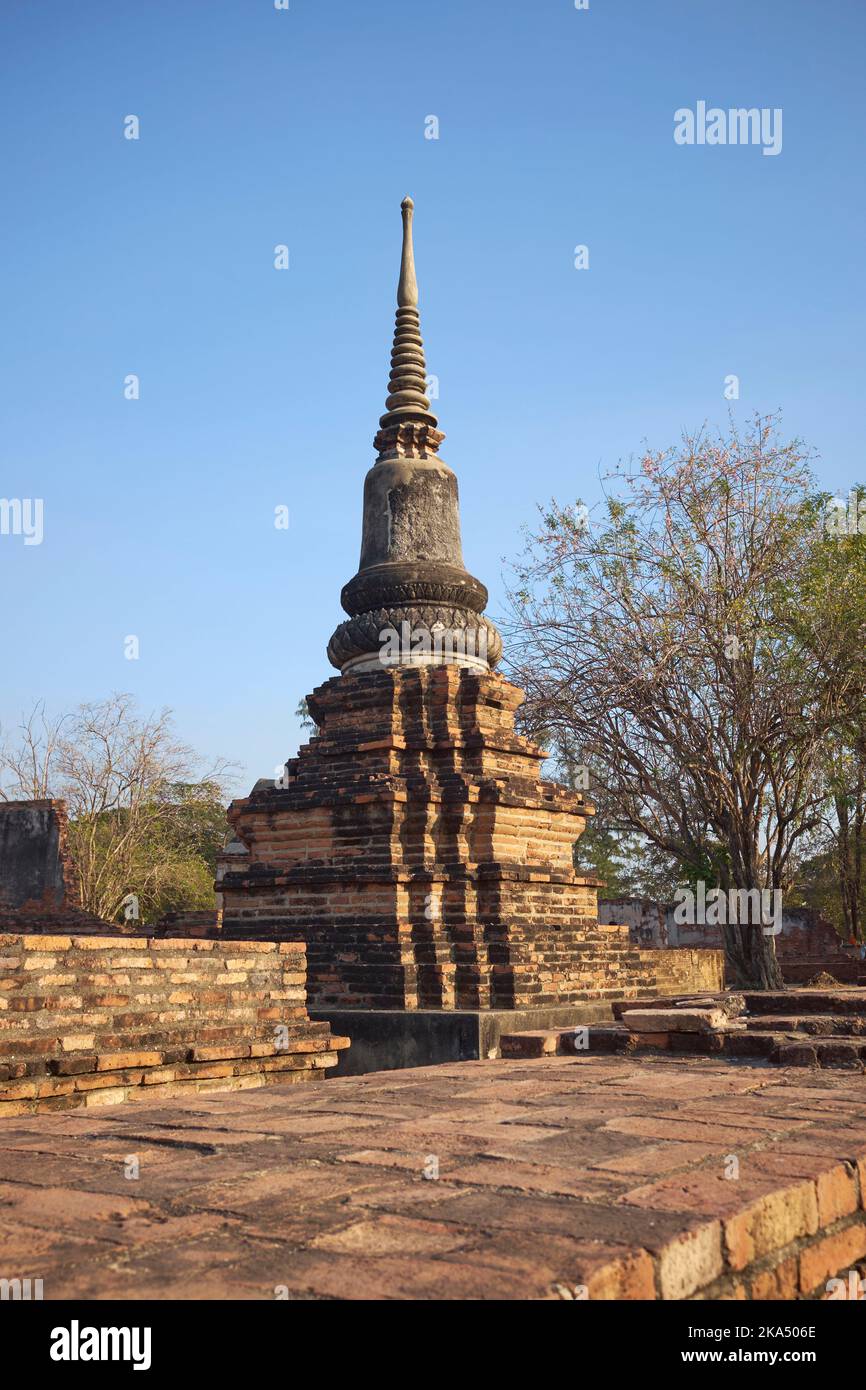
x,y
93,1020
553,1176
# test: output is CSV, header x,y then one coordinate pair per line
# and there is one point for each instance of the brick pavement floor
x,y
556,1178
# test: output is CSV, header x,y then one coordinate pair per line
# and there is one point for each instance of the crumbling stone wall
x,y
93,1020
808,945
38,888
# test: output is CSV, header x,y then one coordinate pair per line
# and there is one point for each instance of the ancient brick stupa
x,y
412,844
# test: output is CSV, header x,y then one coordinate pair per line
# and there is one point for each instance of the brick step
x,y
825,1025
699,1001
29,1024
537,1043
847,1002
820,1052
168,1018
97,1056
783,1048
232,1043
47,1092
83,1001
564,1042
50,1025
24,1064
808,1001
145,1023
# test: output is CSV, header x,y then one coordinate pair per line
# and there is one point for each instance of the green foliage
x,y
817,885
600,853
630,866
170,863
302,714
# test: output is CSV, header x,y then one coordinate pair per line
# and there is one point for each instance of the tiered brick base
x,y
93,1020
418,854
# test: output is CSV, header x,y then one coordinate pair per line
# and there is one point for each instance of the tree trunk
x,y
751,958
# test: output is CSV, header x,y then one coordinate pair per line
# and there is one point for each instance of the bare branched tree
x,y
119,774
650,643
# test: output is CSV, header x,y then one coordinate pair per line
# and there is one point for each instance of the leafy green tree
x,y
175,862
822,606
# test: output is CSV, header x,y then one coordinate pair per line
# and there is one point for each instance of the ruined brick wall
x,y
848,969
38,888
205,922
809,945
805,932
93,1020
806,945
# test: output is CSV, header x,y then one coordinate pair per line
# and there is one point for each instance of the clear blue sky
x,y
261,387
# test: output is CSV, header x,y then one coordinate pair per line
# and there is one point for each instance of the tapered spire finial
x,y
407,290
407,427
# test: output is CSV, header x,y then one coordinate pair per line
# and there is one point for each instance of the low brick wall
x,y
799,972
686,970
94,1020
